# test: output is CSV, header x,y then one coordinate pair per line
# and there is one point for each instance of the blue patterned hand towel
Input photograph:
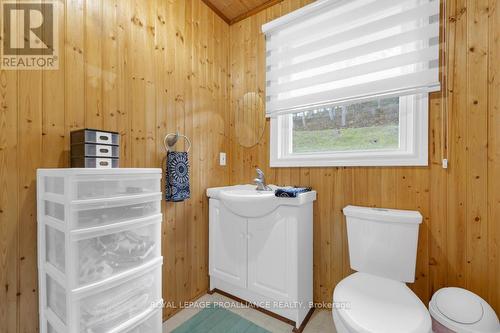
x,y
177,176
291,192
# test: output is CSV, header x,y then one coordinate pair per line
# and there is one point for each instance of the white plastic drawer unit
x,y
99,250
107,307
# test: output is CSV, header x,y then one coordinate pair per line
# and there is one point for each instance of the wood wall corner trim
x,y
217,11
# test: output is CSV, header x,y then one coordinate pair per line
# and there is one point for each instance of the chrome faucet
x,y
260,181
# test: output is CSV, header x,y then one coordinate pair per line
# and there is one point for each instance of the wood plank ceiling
x,y
233,11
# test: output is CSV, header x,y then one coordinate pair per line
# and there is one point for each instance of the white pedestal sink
x,y
261,248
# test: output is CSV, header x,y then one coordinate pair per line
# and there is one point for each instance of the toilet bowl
x,y
376,299
367,303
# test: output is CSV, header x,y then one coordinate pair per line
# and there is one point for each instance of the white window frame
x,y
412,151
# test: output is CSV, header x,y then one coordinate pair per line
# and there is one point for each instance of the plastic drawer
x,y
150,324
51,329
95,136
108,251
94,150
55,248
54,210
102,309
54,184
90,213
108,186
56,298
95,162
97,183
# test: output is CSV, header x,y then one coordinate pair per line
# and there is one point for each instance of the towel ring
x,y
169,143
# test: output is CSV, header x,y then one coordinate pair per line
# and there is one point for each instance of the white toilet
x,y
383,251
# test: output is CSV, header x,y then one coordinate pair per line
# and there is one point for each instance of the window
x,y
379,132
348,82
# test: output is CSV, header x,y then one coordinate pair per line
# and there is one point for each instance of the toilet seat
x,y
370,304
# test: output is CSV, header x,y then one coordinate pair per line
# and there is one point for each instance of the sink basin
x,y
246,201
245,194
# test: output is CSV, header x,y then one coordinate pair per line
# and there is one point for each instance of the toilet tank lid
x,y
383,214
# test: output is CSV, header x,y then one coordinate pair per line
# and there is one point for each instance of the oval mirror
x,y
250,119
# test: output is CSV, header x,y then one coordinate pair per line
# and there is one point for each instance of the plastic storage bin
x,y
109,186
98,184
103,309
106,306
93,150
152,323
99,250
95,162
89,213
110,251
88,135
55,248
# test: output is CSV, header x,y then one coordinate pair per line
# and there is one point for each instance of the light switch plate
x,y
222,159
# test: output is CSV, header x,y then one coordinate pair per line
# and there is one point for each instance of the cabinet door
x,y
272,256
228,245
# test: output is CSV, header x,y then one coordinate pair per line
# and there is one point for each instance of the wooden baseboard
x,y
267,312
304,323
178,309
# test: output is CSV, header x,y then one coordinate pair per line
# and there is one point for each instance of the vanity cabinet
x,y
228,237
261,249
271,261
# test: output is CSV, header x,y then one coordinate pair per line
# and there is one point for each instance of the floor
x,y
321,321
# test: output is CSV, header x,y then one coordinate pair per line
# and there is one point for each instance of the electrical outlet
x,y
222,159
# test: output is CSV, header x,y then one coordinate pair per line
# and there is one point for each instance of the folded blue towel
x,y
177,176
291,192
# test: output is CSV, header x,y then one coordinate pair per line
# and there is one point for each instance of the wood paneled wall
x,y
459,241
143,68
147,68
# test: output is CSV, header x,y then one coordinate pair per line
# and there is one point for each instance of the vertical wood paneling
x,y
74,70
457,172
438,205
93,11
493,231
477,147
9,174
29,108
53,123
123,112
144,69
458,243
110,65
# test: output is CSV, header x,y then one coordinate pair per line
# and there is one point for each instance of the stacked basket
x,y
92,148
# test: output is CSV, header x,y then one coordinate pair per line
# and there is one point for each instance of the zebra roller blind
x,y
342,51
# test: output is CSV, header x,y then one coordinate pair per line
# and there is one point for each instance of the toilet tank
x,y
383,242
